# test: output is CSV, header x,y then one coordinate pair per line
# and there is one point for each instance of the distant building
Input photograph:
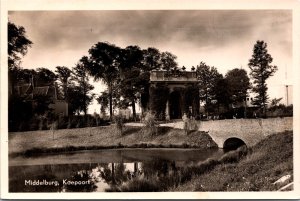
x,y
126,113
29,92
249,100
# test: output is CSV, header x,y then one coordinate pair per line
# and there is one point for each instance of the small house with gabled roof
x,y
29,92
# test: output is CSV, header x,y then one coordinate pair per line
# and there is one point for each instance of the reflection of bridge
x,y
250,131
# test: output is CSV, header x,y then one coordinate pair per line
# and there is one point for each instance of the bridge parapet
x,y
251,131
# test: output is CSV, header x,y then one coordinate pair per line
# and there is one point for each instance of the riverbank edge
x,y
39,143
36,151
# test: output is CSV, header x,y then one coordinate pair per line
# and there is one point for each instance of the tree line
x,y
126,73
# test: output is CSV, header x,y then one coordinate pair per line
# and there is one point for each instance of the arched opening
x,y
232,144
175,105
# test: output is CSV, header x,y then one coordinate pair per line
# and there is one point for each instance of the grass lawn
x,y
104,137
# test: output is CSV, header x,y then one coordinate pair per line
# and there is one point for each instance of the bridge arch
x,y
233,143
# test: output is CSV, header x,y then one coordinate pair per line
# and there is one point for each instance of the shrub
x,y
119,121
141,185
53,128
41,123
62,122
32,124
234,156
280,110
150,124
189,124
193,125
79,123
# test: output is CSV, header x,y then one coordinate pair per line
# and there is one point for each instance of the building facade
x,y
173,94
29,92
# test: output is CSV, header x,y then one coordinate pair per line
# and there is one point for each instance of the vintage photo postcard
x,y
143,99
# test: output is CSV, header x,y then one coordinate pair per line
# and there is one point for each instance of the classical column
x,y
168,105
167,111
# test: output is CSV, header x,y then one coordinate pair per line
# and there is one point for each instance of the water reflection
x,y
89,177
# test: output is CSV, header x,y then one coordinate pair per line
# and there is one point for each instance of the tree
x,y
64,74
275,102
238,85
18,44
159,96
80,75
168,62
222,92
103,100
152,59
104,64
261,70
208,78
131,82
26,75
44,77
75,100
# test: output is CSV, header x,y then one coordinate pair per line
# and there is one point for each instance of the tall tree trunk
x,y
110,101
133,110
84,101
135,170
206,103
113,173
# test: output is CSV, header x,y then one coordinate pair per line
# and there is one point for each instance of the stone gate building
x,y
176,92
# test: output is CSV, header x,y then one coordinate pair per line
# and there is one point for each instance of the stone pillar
x,y
167,111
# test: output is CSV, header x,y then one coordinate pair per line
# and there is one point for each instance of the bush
x,y
141,185
53,128
62,122
234,156
280,110
193,125
150,124
32,124
80,123
119,121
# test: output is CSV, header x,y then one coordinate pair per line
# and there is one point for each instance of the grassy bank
x,y
38,142
267,161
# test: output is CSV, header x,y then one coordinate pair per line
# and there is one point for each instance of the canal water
x,y
98,170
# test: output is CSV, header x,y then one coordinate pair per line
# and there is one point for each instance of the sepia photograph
x,y
137,100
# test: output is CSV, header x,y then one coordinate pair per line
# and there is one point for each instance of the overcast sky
x,y
223,39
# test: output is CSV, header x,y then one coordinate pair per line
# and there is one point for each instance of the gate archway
x,y
175,105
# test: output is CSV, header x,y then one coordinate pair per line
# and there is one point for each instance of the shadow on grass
x,y
162,130
131,130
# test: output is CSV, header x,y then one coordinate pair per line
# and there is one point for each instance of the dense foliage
x,y
159,97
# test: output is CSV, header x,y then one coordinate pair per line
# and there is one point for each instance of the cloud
x,y
222,38
189,32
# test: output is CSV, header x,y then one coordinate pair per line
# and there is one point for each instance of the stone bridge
x,y
248,131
